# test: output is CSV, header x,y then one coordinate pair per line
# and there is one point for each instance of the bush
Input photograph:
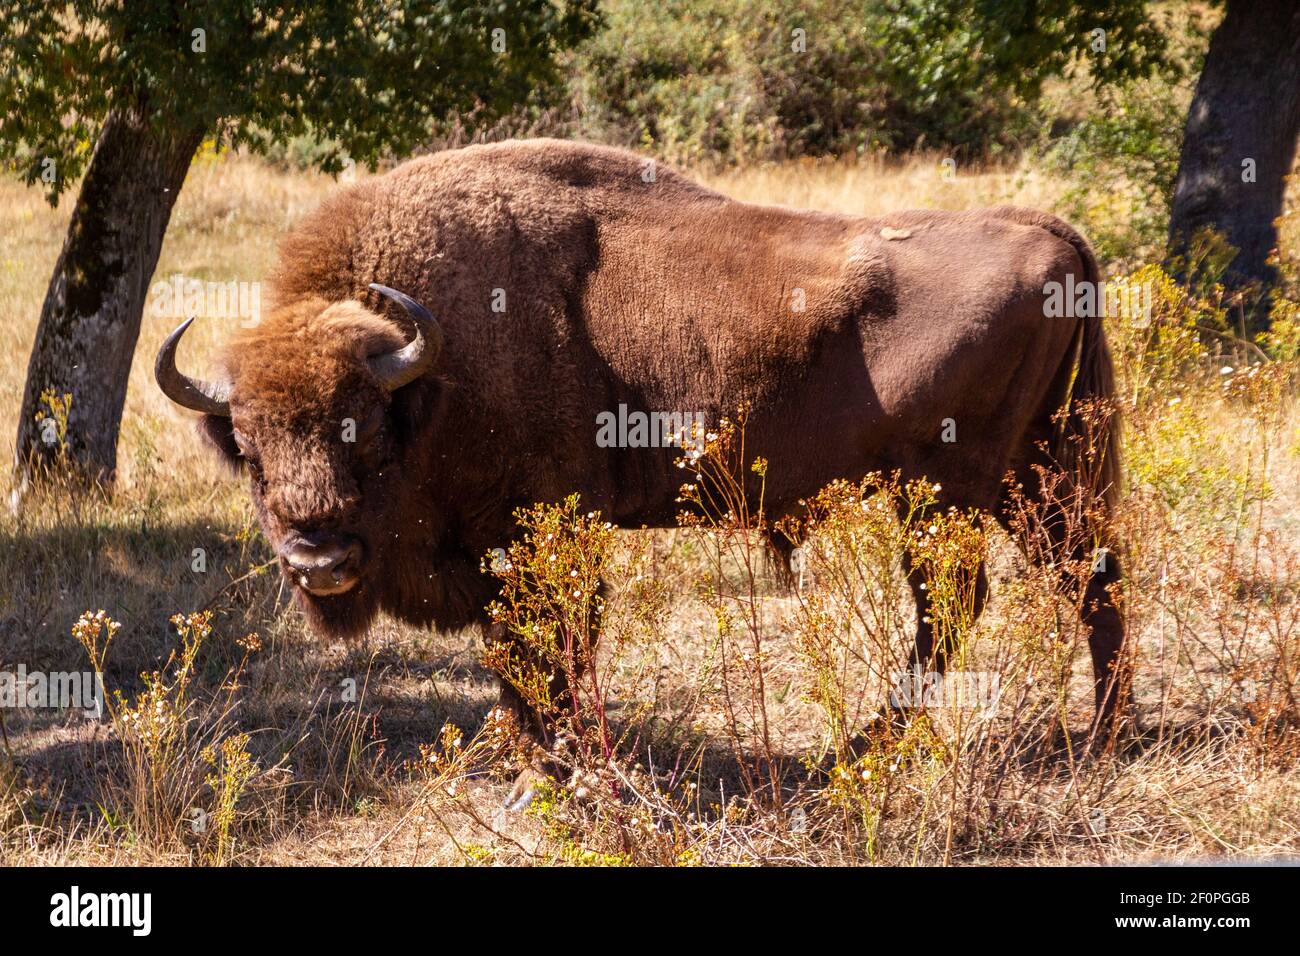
x,y
738,80
1122,155
1123,159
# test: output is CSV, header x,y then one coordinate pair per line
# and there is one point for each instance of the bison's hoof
x,y
525,790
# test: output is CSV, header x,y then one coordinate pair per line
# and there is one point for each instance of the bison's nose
x,y
324,565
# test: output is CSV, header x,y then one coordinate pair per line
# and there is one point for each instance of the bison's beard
x,y
342,616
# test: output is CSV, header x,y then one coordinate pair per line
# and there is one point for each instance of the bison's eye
x,y
254,469
370,435
249,454
370,428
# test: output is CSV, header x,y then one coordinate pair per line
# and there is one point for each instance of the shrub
x,y
183,769
736,80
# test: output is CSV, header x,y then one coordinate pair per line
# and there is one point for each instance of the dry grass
x,y
878,185
336,777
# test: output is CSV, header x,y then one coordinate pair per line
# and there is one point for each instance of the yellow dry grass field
x,y
726,695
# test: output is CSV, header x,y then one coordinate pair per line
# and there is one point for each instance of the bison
x,y
387,449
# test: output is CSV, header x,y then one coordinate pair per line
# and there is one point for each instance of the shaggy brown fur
x,y
625,283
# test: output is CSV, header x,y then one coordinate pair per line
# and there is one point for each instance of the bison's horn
x,y
210,397
395,369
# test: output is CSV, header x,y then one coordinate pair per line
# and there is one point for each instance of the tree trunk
x,y
91,317
1246,108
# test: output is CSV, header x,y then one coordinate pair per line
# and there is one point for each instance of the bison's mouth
x,y
327,590
343,611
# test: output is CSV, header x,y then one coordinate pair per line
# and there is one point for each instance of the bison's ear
x,y
220,433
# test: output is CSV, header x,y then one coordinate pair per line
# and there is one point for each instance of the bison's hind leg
x,y
933,646
1059,535
1106,640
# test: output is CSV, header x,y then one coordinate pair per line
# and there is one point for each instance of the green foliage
x,y
966,73
737,80
370,77
1179,364
1123,160
699,80
721,79
1123,155
1020,43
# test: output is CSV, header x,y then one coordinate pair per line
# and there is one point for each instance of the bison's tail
x,y
1087,443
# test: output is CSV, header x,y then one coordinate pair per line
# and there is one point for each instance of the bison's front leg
x,y
537,732
545,696
534,747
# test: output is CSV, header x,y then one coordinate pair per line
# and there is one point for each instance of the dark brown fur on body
x,y
622,287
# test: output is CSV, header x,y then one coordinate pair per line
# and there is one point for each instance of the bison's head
x,y
309,407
